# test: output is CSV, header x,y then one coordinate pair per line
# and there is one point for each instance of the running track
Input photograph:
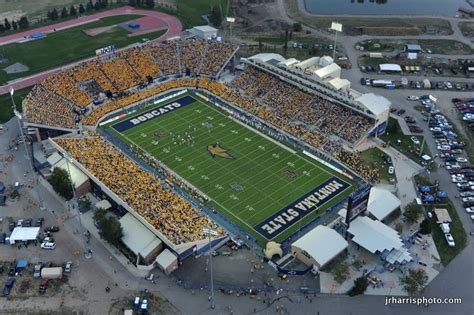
x,y
173,24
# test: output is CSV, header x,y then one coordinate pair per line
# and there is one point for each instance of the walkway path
x,y
174,27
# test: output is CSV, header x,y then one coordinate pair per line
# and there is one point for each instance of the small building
x,y
167,261
382,203
204,31
412,48
342,85
442,215
330,71
390,68
319,246
140,240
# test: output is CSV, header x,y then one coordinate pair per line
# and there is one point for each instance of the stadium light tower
x,y
27,152
87,251
230,20
336,27
432,99
210,231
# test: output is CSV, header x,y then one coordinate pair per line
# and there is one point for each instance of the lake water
x,y
385,7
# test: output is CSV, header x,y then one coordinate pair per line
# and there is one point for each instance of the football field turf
x,y
262,186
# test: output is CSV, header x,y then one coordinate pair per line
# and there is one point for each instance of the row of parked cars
x,y
26,223
451,150
465,106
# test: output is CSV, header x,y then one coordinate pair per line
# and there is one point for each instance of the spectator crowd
x,y
168,212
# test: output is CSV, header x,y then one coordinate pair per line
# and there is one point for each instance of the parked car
x,y
37,270
68,266
450,240
401,112
39,222
470,210
51,229
415,140
413,98
43,286
8,286
48,245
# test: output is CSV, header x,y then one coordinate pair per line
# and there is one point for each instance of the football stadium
x,y
185,138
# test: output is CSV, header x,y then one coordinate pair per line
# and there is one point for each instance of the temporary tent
x,y
24,234
22,264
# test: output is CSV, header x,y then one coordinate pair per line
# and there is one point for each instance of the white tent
x,y
321,243
390,67
24,234
332,70
382,202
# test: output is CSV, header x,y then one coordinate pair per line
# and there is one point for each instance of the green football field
x,y
248,177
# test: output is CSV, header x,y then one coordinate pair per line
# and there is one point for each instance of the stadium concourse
x,y
76,100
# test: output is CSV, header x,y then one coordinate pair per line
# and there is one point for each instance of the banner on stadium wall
x,y
358,201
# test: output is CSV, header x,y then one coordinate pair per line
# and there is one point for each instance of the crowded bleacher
x,y
168,212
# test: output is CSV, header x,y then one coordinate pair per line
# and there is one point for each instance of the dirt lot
x,y
440,46
386,26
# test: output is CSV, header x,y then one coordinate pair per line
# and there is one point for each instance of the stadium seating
x,y
169,213
43,107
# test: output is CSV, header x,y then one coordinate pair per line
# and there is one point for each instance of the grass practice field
x,y
67,46
255,181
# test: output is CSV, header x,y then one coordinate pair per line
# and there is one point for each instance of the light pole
x,y
230,20
30,161
211,231
337,27
75,203
433,99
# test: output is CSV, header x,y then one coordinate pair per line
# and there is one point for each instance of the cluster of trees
x,y
73,11
21,24
109,227
142,3
61,183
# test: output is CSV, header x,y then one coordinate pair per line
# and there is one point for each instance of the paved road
x,y
174,27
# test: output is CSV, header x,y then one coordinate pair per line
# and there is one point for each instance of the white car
x,y
48,245
415,140
413,98
144,305
472,217
467,199
444,147
436,129
448,85
461,160
453,167
391,170
470,210
458,180
449,240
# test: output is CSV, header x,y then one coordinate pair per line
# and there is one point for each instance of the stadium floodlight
x,y
230,19
336,27
210,231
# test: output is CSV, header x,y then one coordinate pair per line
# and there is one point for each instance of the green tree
x,y
104,3
23,23
64,13
72,11
297,27
8,26
99,214
399,227
412,212
89,6
54,15
216,16
132,3
61,183
150,4
414,281
360,285
110,230
97,5
2,28
82,10
340,271
14,25
425,226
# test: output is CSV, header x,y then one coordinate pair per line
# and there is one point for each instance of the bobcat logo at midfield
x,y
217,150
